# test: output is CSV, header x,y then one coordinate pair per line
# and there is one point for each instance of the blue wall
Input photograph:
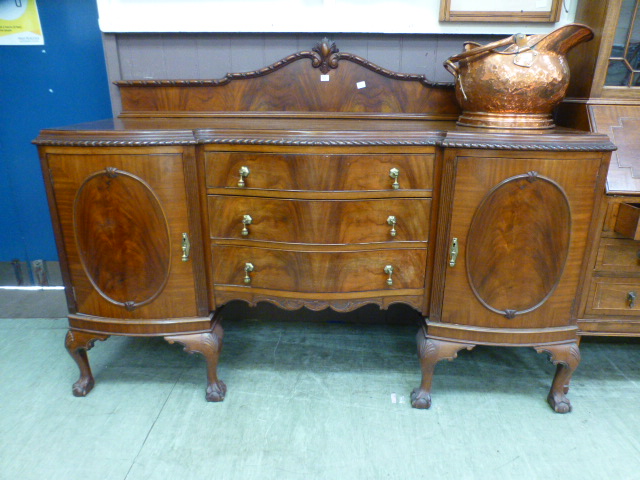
x,y
59,83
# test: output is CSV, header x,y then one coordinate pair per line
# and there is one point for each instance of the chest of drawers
x,y
185,203
303,228
609,306
612,303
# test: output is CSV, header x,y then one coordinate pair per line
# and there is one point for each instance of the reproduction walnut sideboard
x,y
321,181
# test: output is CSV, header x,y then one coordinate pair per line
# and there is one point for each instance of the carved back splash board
x,y
321,81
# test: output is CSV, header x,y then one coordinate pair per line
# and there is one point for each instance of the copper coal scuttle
x,y
515,82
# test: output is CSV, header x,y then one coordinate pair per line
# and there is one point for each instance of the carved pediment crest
x,y
326,57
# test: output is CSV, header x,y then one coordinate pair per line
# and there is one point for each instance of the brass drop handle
x,y
391,220
394,173
244,173
388,269
186,247
248,268
631,299
453,252
246,220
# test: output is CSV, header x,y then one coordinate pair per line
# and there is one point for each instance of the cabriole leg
x,y
566,357
77,344
430,352
209,344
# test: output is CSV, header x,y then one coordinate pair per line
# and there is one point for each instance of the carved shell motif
x,y
518,244
123,237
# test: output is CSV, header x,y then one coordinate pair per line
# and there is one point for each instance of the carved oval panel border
x,y
123,238
518,244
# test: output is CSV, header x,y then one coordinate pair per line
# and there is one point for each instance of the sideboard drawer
x,y
319,221
628,220
614,296
331,172
618,255
319,271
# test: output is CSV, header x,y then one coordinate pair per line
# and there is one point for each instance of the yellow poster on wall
x,y
20,23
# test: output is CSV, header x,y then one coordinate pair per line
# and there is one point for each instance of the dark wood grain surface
x,y
160,205
296,87
519,233
319,272
475,177
319,172
319,221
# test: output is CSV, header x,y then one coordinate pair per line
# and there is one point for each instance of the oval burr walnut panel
x,y
299,172
123,237
319,221
319,272
518,243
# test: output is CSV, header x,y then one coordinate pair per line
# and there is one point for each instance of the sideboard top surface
x,y
314,131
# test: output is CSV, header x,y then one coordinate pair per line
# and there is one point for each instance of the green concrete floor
x,y
310,401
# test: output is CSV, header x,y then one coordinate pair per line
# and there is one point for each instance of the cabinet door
x,y
521,226
122,217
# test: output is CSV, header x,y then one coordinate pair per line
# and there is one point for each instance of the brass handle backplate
x,y
453,252
244,173
394,173
186,247
246,220
631,299
388,269
248,268
392,221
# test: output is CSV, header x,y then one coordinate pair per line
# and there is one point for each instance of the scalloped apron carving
x,y
518,244
123,237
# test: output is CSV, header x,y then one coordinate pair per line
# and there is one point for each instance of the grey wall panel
x,y
141,57
110,47
212,55
180,56
416,55
383,51
279,46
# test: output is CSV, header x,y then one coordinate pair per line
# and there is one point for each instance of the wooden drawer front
x,y
612,296
319,272
628,220
319,172
618,255
319,221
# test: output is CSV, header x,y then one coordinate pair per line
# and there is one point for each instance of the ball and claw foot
x,y
77,344
566,357
216,391
420,399
83,386
559,402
